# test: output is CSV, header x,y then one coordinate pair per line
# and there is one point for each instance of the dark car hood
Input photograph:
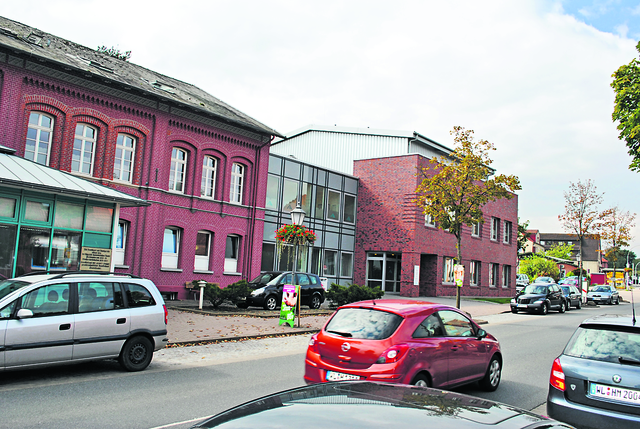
x,y
533,296
366,405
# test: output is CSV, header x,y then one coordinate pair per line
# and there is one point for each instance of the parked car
x,y
368,405
572,280
267,290
595,382
522,280
572,296
540,297
403,341
70,317
544,280
603,294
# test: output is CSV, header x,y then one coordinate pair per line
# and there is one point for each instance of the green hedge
x,y
341,295
217,295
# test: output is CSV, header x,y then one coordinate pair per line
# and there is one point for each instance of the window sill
x,y
448,283
227,273
202,272
122,267
474,285
171,270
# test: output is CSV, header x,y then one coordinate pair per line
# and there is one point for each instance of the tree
x,y
455,188
618,257
615,230
560,251
522,234
581,215
538,265
626,85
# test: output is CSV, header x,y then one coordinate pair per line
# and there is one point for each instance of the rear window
x,y
604,344
363,323
139,296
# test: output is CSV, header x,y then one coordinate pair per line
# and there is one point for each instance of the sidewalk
x,y
190,326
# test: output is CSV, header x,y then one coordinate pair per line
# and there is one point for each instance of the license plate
x,y
522,305
338,376
620,394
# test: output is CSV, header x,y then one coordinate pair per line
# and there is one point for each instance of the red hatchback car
x,y
403,341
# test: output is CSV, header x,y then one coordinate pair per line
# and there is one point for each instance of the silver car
x,y
605,294
50,319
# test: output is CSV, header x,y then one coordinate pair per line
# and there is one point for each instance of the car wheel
x,y
242,305
610,301
579,306
136,354
617,301
315,302
544,309
514,310
270,302
491,379
421,380
563,307
568,305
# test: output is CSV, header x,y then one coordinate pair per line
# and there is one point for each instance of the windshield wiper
x,y
628,361
342,334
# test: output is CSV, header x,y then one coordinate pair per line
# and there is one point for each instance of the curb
x,y
238,339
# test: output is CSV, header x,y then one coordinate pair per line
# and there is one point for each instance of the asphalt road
x,y
183,385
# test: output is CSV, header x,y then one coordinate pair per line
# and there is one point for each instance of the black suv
x,y
267,290
540,297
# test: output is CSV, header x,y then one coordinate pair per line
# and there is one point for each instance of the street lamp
x,y
297,217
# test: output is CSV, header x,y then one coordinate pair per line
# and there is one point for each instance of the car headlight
x,y
257,292
513,300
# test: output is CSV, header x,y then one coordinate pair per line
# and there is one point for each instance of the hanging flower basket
x,y
295,234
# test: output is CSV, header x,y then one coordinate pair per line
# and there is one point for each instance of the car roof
x,y
611,320
402,307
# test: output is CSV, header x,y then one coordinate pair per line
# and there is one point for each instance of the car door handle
x,y
65,326
121,321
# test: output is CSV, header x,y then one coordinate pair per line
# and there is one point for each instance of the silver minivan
x,y
69,317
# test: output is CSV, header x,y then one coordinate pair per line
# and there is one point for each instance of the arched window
x,y
208,187
171,247
237,182
39,134
84,145
178,168
125,154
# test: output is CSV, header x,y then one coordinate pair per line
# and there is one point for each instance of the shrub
x,y
217,295
341,295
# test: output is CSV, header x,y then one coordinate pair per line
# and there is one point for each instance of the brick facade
x,y
389,221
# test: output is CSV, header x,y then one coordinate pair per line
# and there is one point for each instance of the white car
x,y
48,319
522,280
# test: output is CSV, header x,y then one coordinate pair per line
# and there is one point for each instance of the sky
x,y
530,76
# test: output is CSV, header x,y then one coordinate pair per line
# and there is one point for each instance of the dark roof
x,y
590,245
113,75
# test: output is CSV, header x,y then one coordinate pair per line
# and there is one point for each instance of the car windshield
x,y
543,280
264,278
565,289
363,323
601,289
605,344
536,289
8,286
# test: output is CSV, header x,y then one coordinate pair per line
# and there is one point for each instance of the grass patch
x,y
496,300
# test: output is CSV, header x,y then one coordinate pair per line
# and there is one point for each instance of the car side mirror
x,y
24,313
481,334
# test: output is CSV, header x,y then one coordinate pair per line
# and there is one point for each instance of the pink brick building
x,y
201,163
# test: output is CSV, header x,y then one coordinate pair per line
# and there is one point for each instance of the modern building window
x,y
203,250
475,229
305,197
178,168
231,254
474,273
495,227
349,209
289,195
493,275
333,207
170,247
208,186
121,243
39,134
319,203
123,163
273,183
84,145
507,232
330,262
346,265
447,276
506,276
237,182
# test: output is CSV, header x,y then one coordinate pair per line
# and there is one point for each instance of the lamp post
x,y
297,217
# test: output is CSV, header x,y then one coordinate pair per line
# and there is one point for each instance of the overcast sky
x,y
532,77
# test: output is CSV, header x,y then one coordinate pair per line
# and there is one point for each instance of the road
x,y
183,385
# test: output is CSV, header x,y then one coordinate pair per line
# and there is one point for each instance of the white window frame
x,y
86,149
475,229
493,274
231,255
124,154
474,273
201,262
506,276
237,183
120,243
170,258
428,221
39,128
506,239
495,226
177,175
208,184
448,273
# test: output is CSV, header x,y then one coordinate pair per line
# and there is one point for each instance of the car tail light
x,y
392,354
166,315
313,343
557,376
